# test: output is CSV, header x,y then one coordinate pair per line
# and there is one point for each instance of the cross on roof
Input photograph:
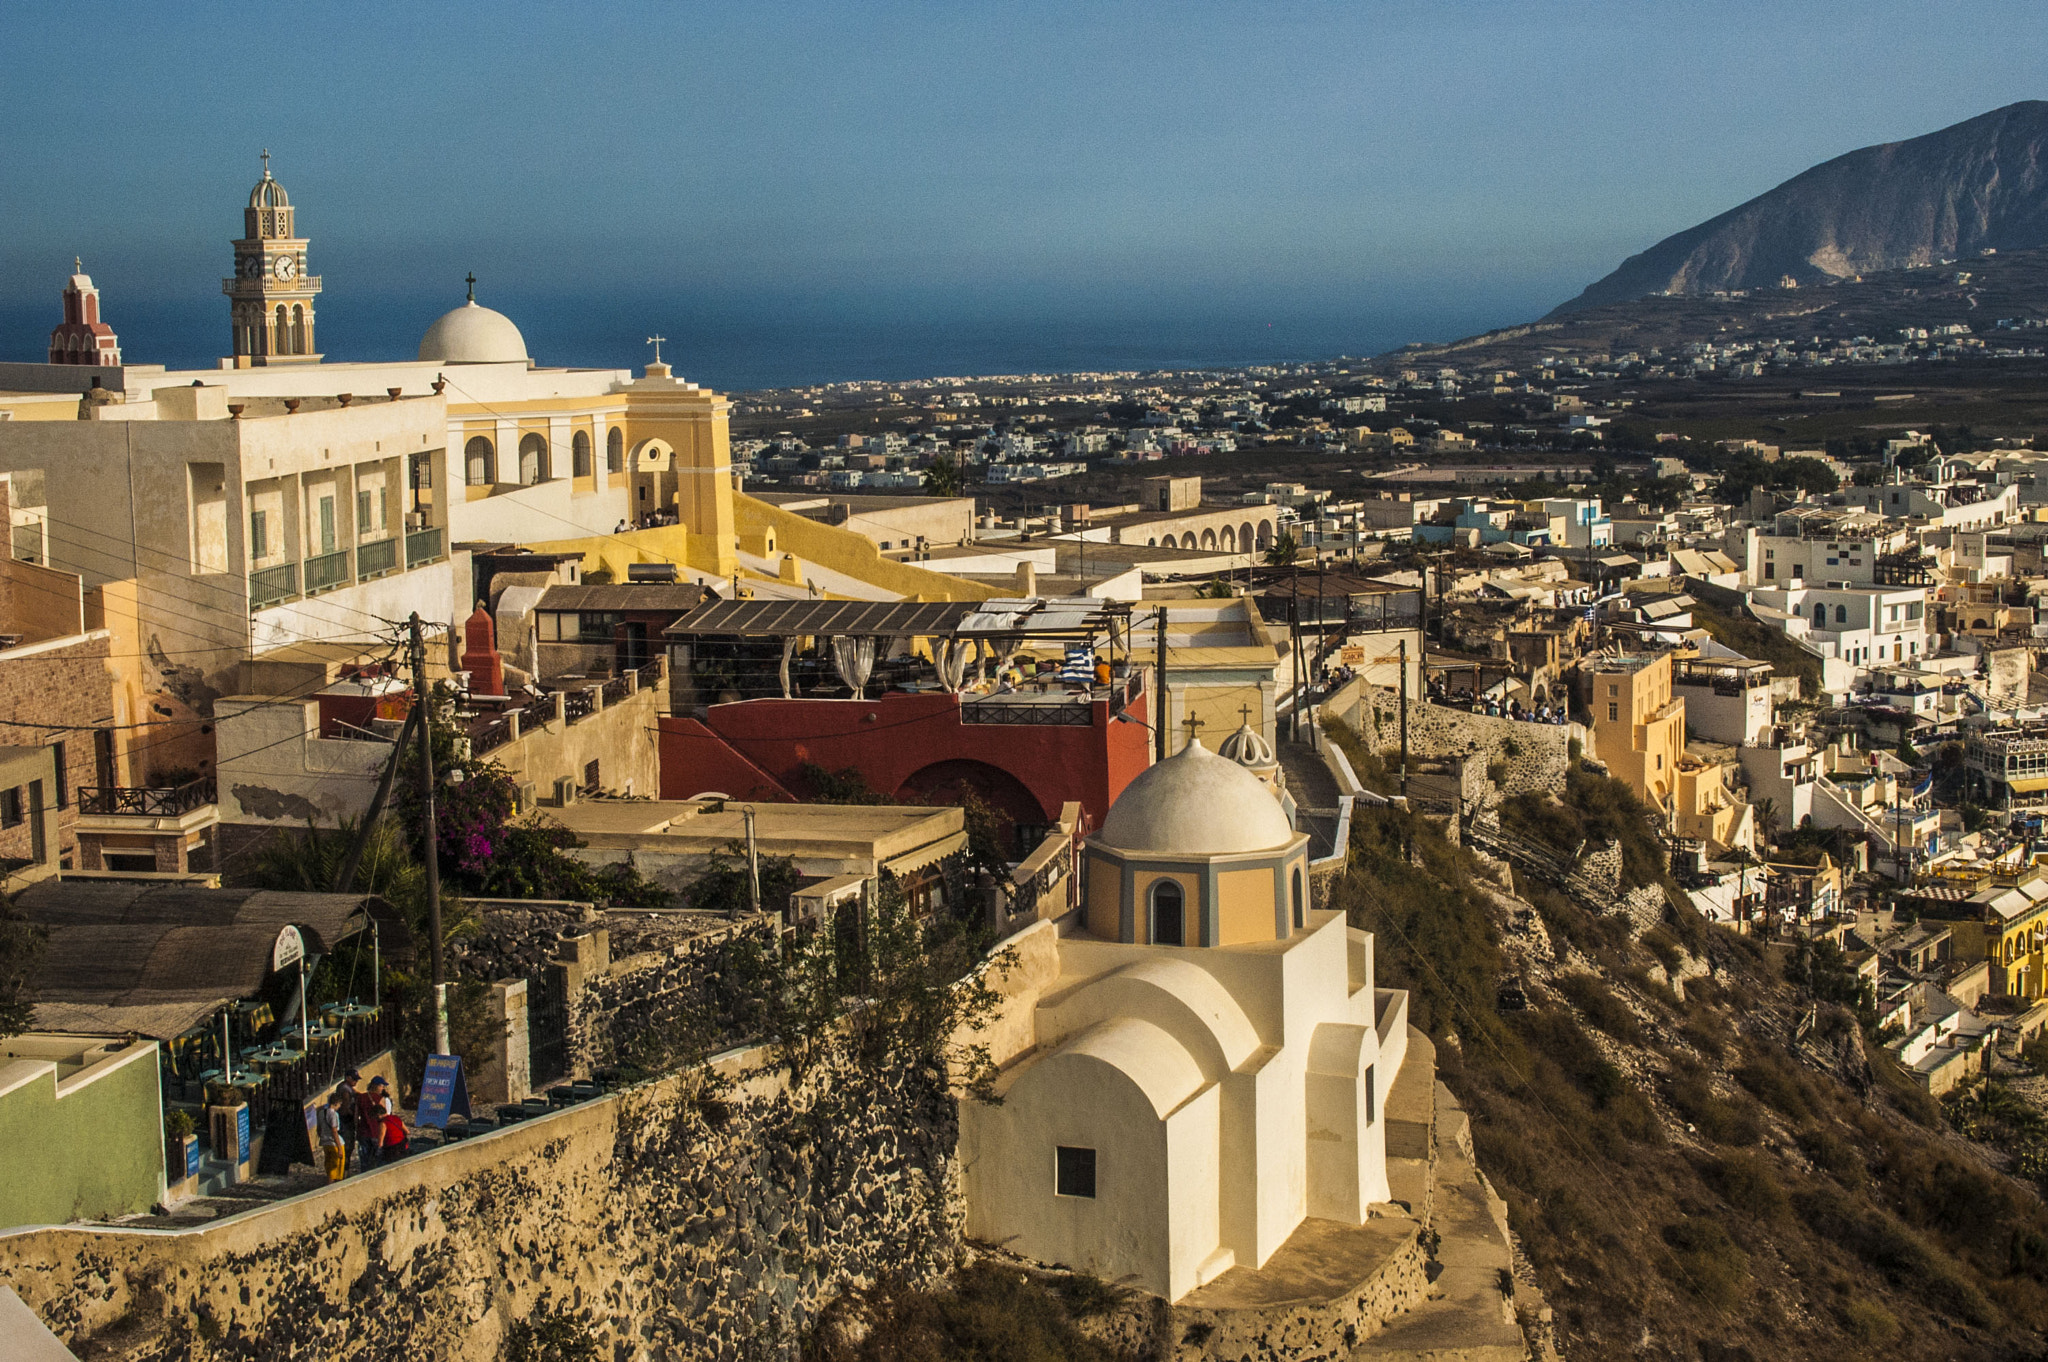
x,y
656,341
1245,713
1191,723
266,163
470,279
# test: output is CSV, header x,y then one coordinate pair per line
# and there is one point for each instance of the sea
x,y
738,345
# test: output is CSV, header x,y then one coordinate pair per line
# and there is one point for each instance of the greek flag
x,y
1080,664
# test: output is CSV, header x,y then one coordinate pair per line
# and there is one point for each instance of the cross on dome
x,y
656,341
470,279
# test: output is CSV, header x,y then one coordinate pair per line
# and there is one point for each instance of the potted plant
x,y
181,1145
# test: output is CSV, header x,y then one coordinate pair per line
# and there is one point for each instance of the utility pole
x,y
420,699
1404,716
1294,646
1159,720
753,862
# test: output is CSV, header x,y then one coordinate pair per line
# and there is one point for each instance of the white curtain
x,y
853,658
950,657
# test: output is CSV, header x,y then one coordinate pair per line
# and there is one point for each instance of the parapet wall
x,y
1535,756
676,1227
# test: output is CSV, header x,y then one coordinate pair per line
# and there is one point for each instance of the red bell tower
x,y
83,338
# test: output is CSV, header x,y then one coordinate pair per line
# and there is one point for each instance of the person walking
x,y
351,1106
333,1149
370,1125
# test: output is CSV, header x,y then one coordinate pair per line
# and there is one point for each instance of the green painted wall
x,y
97,1152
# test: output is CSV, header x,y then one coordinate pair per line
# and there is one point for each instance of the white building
x,y
1209,1067
1860,625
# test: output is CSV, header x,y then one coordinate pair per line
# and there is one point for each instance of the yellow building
x,y
1639,734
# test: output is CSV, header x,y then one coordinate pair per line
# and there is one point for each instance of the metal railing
x,y
578,705
615,691
326,571
150,801
1079,714
268,586
374,560
491,736
537,714
422,546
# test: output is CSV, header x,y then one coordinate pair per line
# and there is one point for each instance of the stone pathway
x,y
1468,1315
1315,793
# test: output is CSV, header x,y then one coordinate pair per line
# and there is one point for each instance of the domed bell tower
x,y
270,299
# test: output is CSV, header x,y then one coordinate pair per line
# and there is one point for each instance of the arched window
x,y
1300,907
283,344
1167,918
1841,614
478,456
1820,616
615,451
533,459
298,329
579,454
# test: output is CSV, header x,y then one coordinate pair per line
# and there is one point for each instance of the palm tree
x,y
1768,820
942,479
1284,551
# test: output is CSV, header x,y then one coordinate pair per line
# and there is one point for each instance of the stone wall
x,y
673,1225
1535,756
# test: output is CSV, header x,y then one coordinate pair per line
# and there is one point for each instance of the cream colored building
x,y
1639,734
1208,1069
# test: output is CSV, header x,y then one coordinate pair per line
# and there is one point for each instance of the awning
x,y
926,855
2031,785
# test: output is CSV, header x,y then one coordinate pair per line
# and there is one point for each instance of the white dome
x,y
473,335
1196,802
1247,747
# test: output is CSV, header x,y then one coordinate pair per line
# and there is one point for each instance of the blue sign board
x,y
442,1091
242,1133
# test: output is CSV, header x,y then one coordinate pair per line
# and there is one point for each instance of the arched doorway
x,y
1229,539
533,460
1169,914
1209,540
1187,541
1019,820
1244,536
1265,534
479,458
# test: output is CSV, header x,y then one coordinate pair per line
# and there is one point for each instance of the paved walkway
x,y
1315,793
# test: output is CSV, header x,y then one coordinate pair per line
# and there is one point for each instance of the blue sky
x,y
1374,171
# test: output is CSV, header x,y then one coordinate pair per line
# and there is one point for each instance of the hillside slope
x,y
1723,1173
1949,194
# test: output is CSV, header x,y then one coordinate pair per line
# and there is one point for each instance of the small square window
x,y
11,816
1074,1171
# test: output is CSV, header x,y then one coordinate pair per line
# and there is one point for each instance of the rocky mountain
x,y
1981,184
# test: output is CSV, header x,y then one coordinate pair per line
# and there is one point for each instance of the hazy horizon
x,y
800,192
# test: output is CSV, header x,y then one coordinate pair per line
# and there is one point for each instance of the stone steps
x,y
1468,1314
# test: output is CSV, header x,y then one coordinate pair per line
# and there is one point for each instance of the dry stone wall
x,y
1533,756
674,1226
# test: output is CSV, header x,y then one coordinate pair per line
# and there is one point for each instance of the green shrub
x,y
1706,1262
1602,1007
1773,1082
984,1311
1868,1322
1745,1182
1834,1156
1659,942
1724,1120
1906,1259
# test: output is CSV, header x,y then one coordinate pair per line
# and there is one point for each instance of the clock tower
x,y
270,299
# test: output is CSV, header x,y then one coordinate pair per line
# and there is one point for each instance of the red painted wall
x,y
892,739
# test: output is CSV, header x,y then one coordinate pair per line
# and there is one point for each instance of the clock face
x,y
249,266
287,267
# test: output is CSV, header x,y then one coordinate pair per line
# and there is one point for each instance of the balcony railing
x,y
578,705
374,560
327,571
154,801
268,586
615,691
422,546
